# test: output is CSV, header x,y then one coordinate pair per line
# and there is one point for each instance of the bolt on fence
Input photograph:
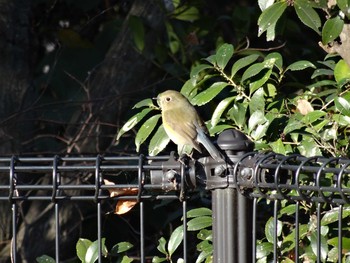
x,y
236,185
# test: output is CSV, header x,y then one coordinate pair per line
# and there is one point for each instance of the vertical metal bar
x,y
297,232
244,226
224,225
13,192
142,233
184,223
318,231
254,237
14,234
57,232
275,231
55,182
340,233
99,234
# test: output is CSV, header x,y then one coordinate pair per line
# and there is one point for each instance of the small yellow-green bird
x,y
183,125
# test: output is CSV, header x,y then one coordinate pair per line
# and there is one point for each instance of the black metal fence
x,y
245,191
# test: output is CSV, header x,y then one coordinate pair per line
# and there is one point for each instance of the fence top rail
x,y
267,175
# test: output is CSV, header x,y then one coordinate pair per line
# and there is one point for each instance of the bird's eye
x,y
168,99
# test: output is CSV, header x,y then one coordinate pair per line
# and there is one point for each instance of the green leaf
x,y
208,94
186,13
203,256
126,259
342,71
274,59
223,55
196,212
278,146
314,245
264,4
270,229
292,125
252,71
270,16
257,102
92,252
194,75
157,259
132,122
313,116
332,29
145,130
199,223
205,234
45,259
175,239
161,246
334,242
222,106
144,103
188,89
344,5
138,32
288,210
342,105
81,247
309,147
158,142
260,82
307,15
255,119
243,62
121,247
300,65
332,215
238,113
263,249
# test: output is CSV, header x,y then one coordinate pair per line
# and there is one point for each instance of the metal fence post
x,y
232,221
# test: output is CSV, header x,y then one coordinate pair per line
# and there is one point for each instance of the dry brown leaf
x,y
123,206
304,107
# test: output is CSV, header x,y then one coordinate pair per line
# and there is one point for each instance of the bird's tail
x,y
213,151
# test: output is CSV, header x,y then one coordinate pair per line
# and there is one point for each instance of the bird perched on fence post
x,y
183,125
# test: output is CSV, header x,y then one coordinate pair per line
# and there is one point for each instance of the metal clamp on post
x,y
168,177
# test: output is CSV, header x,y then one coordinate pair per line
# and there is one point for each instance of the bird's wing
x,y
180,129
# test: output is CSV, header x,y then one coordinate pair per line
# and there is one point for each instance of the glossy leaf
x,y
208,94
264,4
243,62
342,71
205,234
270,16
223,55
313,116
175,239
237,113
255,119
199,223
222,106
157,259
92,252
121,247
161,245
307,15
158,142
81,248
260,82
332,215
198,69
332,29
145,130
196,212
309,147
45,259
263,249
323,248
344,5
270,229
252,71
144,103
132,122
204,255
342,105
126,259
300,65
